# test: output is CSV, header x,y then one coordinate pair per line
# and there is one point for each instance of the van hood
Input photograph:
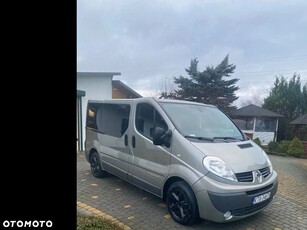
x,y
239,156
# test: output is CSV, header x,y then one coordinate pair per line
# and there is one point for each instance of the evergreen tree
x,y
288,99
208,86
304,99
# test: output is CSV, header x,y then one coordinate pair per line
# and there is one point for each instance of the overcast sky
x,y
150,42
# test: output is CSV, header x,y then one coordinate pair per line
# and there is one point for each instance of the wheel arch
x,y
91,152
187,189
169,182
181,173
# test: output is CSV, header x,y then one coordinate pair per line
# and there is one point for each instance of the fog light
x,y
227,215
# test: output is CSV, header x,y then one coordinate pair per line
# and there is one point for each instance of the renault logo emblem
x,y
257,176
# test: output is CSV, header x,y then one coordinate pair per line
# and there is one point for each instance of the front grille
x,y
250,209
245,177
265,172
248,176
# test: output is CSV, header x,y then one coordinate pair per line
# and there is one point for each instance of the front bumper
x,y
218,198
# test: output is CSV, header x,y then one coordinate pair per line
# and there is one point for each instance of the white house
x,y
257,122
94,86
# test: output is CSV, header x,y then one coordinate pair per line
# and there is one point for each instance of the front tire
x,y
182,204
96,167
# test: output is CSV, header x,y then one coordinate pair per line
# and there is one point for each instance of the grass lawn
x,y
84,222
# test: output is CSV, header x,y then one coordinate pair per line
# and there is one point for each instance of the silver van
x,y
189,154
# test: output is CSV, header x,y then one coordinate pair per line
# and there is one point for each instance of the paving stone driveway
x,y
141,210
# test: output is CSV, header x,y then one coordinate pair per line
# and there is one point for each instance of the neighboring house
x,y
302,120
257,122
300,130
97,86
121,91
300,125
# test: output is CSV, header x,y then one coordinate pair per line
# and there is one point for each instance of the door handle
x,y
133,141
126,140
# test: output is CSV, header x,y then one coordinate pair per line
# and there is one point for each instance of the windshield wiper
x,y
200,138
227,138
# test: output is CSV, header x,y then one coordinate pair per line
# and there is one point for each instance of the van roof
x,y
182,102
150,99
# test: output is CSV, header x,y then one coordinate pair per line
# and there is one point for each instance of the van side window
x,y
91,115
147,118
113,119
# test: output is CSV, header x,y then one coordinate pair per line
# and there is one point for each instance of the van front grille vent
x,y
265,172
245,176
248,176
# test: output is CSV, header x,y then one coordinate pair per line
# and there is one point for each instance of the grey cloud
x,y
156,39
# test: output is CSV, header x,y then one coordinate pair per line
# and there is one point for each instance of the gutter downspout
x,y
275,136
80,137
254,127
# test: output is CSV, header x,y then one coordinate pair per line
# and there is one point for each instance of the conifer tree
x,y
209,86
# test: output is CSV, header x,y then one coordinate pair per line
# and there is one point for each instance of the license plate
x,y
261,198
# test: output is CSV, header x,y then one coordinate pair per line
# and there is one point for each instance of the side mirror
x,y
162,137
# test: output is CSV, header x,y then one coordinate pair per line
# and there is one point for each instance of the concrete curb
x,y
277,154
89,210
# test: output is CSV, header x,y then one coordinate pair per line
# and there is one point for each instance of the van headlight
x,y
268,160
219,168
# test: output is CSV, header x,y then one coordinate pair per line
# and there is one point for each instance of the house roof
x,y
117,84
302,120
253,111
80,93
97,74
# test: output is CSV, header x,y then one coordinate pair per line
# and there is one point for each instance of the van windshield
x,y
202,123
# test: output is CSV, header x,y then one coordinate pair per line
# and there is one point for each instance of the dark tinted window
x,y
245,123
265,125
147,118
110,119
91,115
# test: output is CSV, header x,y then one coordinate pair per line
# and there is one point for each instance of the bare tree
x,y
166,88
255,99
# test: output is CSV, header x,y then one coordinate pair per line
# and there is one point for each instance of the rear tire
x,y
182,204
96,167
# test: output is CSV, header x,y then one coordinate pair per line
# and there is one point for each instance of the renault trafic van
x,y
190,154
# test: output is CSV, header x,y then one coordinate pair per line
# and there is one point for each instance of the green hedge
x,y
274,146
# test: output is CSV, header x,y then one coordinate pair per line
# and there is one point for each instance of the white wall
x,y
264,137
97,86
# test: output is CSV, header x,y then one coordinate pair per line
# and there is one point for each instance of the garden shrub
x,y
284,146
296,148
274,146
257,141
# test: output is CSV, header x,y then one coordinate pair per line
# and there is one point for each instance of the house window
x,y
265,124
245,123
